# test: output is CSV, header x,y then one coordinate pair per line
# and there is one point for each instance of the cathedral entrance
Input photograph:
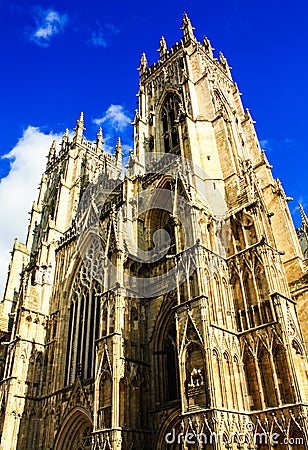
x,y
170,436
75,432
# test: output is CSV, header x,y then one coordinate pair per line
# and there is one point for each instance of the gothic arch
x,y
75,431
283,374
167,126
267,377
217,377
83,325
252,381
170,430
166,366
105,400
195,375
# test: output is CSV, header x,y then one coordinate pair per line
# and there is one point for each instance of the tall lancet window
x,y
169,114
83,327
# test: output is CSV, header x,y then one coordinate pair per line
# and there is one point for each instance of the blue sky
x,y
60,58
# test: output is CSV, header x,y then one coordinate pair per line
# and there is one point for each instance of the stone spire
x,y
118,153
304,218
162,46
79,128
143,64
99,139
188,30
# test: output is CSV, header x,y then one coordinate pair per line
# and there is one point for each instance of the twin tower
x,y
163,308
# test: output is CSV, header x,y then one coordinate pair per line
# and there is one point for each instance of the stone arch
x,y
195,375
239,393
267,377
105,400
252,381
283,374
170,431
166,369
75,431
296,439
217,377
168,138
300,362
228,377
239,303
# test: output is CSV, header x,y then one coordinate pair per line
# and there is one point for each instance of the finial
x,y
207,45
304,218
99,139
143,64
52,151
79,127
223,61
64,140
80,120
163,49
119,146
118,153
188,29
53,146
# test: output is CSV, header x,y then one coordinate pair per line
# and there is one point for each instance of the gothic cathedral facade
x,y
163,308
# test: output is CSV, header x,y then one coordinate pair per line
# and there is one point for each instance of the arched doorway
x,y
75,432
170,436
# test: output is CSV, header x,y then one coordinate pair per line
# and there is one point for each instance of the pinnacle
x,y
303,216
119,146
99,133
188,30
186,23
143,63
162,46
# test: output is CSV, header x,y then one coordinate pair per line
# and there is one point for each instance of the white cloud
x,y
49,23
116,117
18,190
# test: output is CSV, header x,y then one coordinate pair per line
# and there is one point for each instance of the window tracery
x,y
83,326
169,114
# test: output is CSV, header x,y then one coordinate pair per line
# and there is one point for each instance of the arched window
x,y
217,379
83,327
105,401
283,375
228,381
171,365
169,114
195,383
239,305
252,381
267,378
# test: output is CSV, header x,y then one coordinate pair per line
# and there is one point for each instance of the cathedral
x,y
164,305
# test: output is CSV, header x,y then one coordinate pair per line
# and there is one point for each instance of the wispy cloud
x,y
115,116
48,24
98,40
19,188
265,144
101,36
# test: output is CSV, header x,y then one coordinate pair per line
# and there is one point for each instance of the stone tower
x,y
154,310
